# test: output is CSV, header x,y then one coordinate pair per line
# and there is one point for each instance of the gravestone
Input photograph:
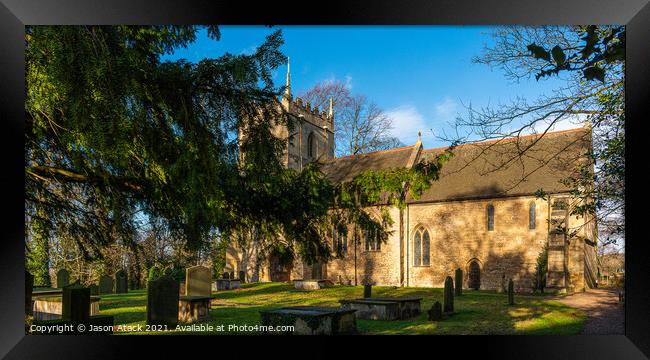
x,y
94,289
162,301
62,278
198,280
226,275
75,309
29,286
76,304
458,282
435,314
242,276
367,291
106,285
448,295
121,282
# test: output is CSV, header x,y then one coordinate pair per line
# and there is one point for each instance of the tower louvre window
x,y
531,216
490,217
311,145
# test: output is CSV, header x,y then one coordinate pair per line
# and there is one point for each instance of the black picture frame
x,y
14,14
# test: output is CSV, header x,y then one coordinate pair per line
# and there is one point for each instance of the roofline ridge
x,y
511,138
374,152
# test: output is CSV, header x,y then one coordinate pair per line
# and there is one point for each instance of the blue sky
x,y
422,76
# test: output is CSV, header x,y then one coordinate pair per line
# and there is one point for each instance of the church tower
x,y
312,135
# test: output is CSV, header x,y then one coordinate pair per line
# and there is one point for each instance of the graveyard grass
x,y
477,312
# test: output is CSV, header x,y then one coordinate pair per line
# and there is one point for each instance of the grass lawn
x,y
477,312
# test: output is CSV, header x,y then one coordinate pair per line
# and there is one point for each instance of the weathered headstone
x,y
121,282
367,291
106,285
76,309
76,304
198,280
94,289
458,285
226,275
162,301
62,278
242,276
29,286
435,314
511,292
449,295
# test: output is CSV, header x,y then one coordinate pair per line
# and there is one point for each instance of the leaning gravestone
x,y
29,286
162,301
106,285
242,276
62,278
198,281
121,282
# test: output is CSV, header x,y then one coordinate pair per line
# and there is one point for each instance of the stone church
x,y
483,215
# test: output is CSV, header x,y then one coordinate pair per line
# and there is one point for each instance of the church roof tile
x,y
486,169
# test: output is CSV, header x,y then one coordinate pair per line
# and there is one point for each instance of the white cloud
x,y
446,109
332,79
348,82
407,121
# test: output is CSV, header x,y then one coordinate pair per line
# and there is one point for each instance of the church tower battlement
x,y
312,136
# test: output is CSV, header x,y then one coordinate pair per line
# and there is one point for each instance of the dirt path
x,y
605,316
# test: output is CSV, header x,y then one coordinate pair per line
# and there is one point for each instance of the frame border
x,y
15,13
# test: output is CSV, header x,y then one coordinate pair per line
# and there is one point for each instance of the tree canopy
x,y
117,140
589,62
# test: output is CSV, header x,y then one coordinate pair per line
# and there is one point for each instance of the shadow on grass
x,y
477,312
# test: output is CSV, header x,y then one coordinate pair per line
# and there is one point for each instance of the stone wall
x,y
379,267
459,234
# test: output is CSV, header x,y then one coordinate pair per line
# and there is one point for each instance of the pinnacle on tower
x,y
331,111
288,89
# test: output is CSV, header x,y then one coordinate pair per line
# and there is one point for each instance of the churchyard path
x,y
605,315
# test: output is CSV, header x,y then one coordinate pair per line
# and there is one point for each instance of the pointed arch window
x,y
490,217
531,216
373,242
421,247
311,145
340,241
